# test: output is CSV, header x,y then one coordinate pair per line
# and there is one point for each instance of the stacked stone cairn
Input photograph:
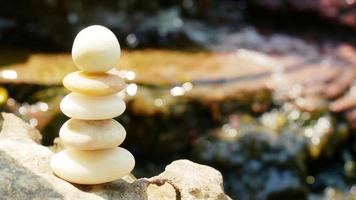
x,y
91,136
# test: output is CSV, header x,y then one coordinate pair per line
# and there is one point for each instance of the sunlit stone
x,y
92,135
93,167
93,84
96,49
86,107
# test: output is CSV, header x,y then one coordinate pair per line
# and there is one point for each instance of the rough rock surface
x,y
25,174
196,187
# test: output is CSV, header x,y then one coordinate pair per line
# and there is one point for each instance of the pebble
x,y
92,167
91,137
96,49
79,106
92,134
93,84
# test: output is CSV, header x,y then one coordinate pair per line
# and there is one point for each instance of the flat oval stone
x,y
97,84
96,49
92,134
79,106
92,167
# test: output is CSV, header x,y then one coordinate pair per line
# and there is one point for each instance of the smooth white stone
x,y
96,49
79,106
92,134
92,167
97,84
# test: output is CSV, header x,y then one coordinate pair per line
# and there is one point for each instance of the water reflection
x,y
33,122
158,102
187,86
177,91
131,89
132,40
125,74
8,74
181,90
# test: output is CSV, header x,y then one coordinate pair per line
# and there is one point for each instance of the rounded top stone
x,y
96,49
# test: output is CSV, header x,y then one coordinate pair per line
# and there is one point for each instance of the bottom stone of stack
x,y
92,167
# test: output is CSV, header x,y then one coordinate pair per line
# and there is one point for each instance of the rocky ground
x,y
25,174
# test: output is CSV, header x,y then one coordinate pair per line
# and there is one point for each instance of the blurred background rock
x,y
53,23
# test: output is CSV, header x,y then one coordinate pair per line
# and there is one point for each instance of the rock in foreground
x,y
25,174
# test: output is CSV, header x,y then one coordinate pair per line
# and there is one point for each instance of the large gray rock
x,y
25,174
